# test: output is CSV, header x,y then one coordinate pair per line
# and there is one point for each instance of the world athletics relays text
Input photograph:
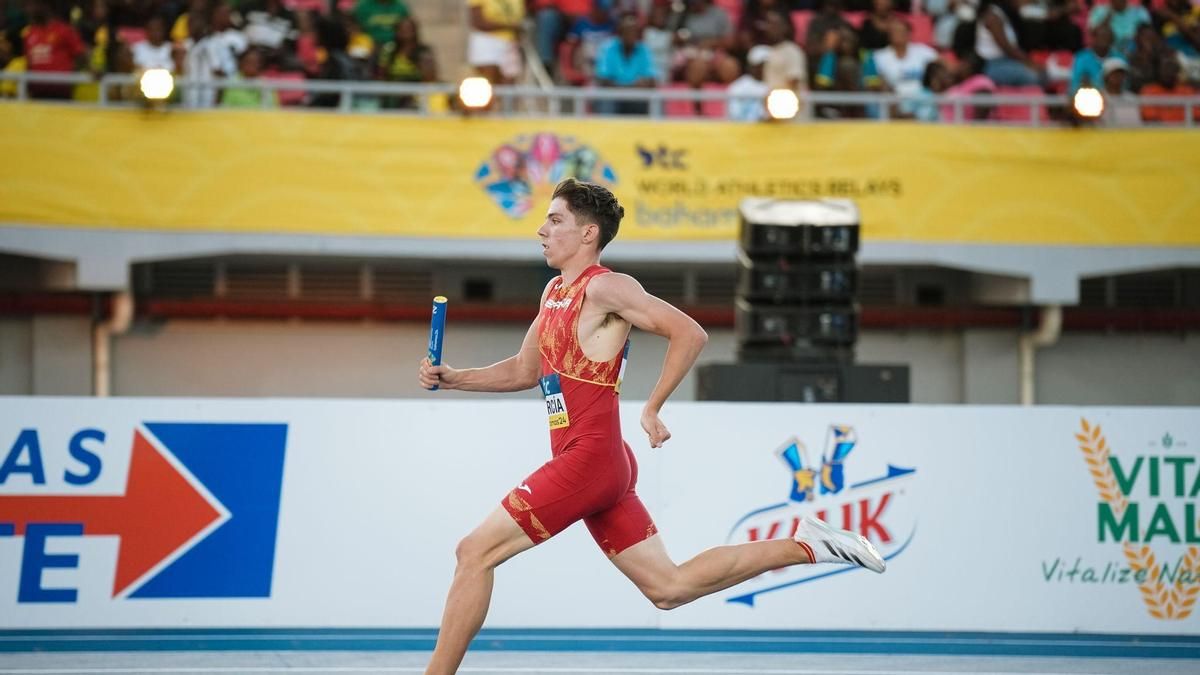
x,y
1062,571
792,189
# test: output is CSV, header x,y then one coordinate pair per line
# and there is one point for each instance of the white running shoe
x,y
825,544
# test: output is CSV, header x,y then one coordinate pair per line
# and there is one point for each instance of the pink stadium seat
x,y
130,35
678,108
1019,113
714,108
287,96
681,108
922,28
855,18
306,5
800,21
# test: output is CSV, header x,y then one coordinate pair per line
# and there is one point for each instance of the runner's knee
x,y
666,595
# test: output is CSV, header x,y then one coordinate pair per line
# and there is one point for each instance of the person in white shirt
x,y
155,51
749,93
1120,106
902,63
208,55
786,66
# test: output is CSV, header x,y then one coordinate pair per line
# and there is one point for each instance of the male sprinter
x,y
576,351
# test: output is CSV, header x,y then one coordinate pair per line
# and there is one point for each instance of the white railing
x,y
578,101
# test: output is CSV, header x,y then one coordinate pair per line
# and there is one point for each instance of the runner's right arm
x,y
516,373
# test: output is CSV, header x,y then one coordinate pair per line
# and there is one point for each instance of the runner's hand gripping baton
x,y
437,330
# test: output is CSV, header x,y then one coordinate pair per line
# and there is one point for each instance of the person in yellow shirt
x,y
12,60
492,42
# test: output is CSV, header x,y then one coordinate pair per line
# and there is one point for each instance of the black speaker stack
x,y
796,316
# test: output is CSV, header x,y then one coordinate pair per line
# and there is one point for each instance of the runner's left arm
x,y
622,295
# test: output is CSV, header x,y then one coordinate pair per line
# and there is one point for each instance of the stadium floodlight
x,y
157,84
475,93
1088,103
782,104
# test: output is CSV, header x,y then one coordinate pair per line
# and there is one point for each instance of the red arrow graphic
x,y
159,512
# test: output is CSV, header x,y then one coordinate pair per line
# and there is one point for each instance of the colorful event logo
x,y
525,170
876,507
1146,503
197,519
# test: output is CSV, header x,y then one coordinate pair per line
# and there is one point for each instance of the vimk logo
x,y
876,507
197,518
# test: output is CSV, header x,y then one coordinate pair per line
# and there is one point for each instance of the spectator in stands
x,y
337,63
269,25
752,26
828,18
846,67
206,56
1048,26
902,63
1004,62
492,47
1168,84
786,67
51,46
876,27
706,39
12,60
1124,20
748,93
659,39
154,51
249,68
1087,70
307,43
1148,53
378,18
624,61
551,19
360,45
227,34
1178,22
935,80
587,34
1120,106
181,30
406,59
947,14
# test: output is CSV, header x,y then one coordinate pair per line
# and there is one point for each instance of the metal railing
x,y
353,96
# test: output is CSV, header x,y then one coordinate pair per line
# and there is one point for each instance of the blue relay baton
x,y
437,330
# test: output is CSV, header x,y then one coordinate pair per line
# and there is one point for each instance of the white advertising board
x,y
274,513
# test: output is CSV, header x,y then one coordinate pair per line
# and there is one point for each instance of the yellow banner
x,y
255,171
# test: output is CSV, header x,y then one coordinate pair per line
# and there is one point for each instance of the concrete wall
x,y
251,358
52,356
46,355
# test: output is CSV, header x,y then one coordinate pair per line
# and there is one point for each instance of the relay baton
x,y
437,330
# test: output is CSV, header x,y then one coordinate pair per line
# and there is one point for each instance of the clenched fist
x,y
429,375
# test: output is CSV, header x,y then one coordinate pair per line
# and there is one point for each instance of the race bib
x,y
556,403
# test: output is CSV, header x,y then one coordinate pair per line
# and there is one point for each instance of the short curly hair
x,y
591,203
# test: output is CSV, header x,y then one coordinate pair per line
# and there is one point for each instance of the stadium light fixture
x,y
475,93
1088,103
782,104
157,84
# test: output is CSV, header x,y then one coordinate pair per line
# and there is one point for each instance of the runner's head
x,y
581,215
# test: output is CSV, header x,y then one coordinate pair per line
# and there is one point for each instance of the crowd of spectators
x,y
210,40
915,48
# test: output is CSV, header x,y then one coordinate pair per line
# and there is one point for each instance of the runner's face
x,y
560,234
